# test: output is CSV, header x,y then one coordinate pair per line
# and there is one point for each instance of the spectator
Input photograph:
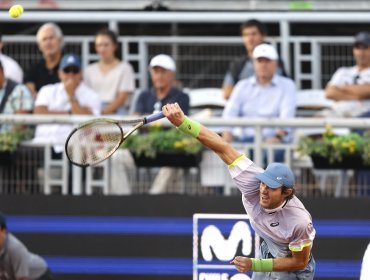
x,y
50,42
162,71
111,78
16,262
350,86
253,33
12,69
70,96
350,89
15,98
264,95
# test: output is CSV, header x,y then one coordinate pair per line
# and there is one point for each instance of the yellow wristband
x,y
190,127
262,265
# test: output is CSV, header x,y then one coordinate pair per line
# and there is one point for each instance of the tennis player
x,y
275,213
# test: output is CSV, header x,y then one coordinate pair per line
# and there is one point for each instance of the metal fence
x,y
33,169
203,61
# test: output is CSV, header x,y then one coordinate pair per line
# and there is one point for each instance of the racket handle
x,y
153,117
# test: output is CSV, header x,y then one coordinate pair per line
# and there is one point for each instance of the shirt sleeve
x,y
340,77
127,82
87,76
93,102
184,102
139,106
21,98
244,171
304,235
232,108
228,79
42,96
19,261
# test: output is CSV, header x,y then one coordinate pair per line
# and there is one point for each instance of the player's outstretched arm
x,y
207,137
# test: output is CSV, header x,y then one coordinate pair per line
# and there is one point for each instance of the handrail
x,y
212,122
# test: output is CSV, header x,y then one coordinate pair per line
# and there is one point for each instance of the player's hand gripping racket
x,y
96,140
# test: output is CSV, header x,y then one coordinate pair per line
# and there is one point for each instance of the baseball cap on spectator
x,y
2,220
164,61
265,50
70,60
277,175
362,38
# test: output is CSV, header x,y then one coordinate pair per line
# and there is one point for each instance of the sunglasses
x,y
73,70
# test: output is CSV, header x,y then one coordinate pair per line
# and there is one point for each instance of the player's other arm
x,y
207,137
297,261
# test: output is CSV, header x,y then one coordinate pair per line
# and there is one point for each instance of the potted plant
x,y
331,151
164,147
9,141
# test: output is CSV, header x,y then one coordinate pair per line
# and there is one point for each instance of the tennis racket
x,y
94,141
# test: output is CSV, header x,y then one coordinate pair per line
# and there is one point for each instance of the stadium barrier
x,y
150,237
36,174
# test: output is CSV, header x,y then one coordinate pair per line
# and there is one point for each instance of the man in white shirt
x,y
11,67
350,86
70,96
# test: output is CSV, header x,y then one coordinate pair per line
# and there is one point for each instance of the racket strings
x,y
93,143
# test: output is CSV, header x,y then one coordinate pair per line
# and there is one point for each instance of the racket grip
x,y
153,117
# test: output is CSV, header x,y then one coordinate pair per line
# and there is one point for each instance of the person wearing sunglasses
x,y
70,96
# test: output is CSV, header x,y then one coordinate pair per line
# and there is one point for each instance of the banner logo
x,y
217,239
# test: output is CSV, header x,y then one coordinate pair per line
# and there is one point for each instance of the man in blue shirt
x,y
162,72
264,95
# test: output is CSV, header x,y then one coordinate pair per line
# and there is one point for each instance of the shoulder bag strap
x,y
10,85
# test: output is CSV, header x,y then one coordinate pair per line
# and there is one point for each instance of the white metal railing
x,y
258,147
257,123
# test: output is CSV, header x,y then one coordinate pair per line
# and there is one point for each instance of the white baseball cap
x,y
265,50
163,61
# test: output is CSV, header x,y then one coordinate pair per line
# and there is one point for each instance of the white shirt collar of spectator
x,y
274,80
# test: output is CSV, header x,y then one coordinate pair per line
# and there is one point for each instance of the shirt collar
x,y
271,211
273,81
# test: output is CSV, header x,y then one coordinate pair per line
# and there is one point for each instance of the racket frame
x,y
138,123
